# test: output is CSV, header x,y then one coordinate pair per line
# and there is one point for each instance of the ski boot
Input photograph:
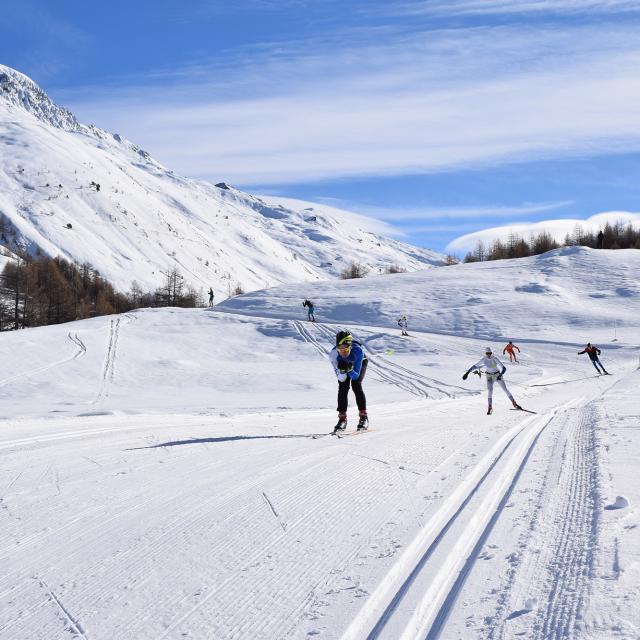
x,y
363,422
516,406
489,410
342,423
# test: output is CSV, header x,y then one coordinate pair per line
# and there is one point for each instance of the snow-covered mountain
x,y
78,191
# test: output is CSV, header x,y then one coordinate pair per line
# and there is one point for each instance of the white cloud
x,y
417,103
492,7
557,228
399,214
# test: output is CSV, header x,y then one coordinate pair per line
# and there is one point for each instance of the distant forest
x,y
42,291
619,235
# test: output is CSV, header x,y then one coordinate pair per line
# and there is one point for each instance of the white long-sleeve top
x,y
491,365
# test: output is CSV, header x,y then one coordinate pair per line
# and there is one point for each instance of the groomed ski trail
x,y
495,474
557,564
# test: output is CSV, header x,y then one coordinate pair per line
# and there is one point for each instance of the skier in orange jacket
x,y
510,350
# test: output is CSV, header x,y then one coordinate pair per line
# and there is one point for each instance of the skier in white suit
x,y
493,371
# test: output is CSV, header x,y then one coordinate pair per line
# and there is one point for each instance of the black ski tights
x,y
356,385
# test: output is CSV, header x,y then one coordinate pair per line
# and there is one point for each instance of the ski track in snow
x,y
556,566
108,368
495,475
382,368
73,625
78,353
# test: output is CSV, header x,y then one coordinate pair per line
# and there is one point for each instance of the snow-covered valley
x,y
169,473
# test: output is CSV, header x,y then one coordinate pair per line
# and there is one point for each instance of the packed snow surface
x,y
169,474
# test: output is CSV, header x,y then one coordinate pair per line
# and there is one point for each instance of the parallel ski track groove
x,y
572,560
389,373
108,369
381,604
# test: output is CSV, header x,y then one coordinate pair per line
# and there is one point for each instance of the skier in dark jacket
x,y
310,308
350,364
210,296
593,353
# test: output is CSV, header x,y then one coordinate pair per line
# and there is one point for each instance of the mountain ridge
x,y
87,195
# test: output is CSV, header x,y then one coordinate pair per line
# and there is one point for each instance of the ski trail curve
x,y
79,352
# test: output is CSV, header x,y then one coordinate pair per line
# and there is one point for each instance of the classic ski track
x,y
514,446
108,369
575,513
401,377
307,337
80,351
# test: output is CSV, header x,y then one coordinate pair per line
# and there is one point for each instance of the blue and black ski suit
x,y
350,372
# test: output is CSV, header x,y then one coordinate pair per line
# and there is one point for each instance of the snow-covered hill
x,y
77,191
595,293
169,473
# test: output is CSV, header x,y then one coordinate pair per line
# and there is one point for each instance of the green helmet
x,y
343,337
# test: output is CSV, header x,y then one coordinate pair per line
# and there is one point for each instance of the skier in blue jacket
x,y
350,364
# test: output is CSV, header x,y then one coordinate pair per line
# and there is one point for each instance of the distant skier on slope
x,y
310,309
350,364
509,349
593,353
402,323
493,370
210,296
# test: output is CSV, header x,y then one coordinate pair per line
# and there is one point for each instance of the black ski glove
x,y
465,375
345,367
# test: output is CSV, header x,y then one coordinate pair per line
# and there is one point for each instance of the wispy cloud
x,y
557,228
493,7
413,102
401,215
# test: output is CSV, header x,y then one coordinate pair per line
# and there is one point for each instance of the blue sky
x,y
441,117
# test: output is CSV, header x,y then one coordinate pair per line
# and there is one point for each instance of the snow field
x,y
169,473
